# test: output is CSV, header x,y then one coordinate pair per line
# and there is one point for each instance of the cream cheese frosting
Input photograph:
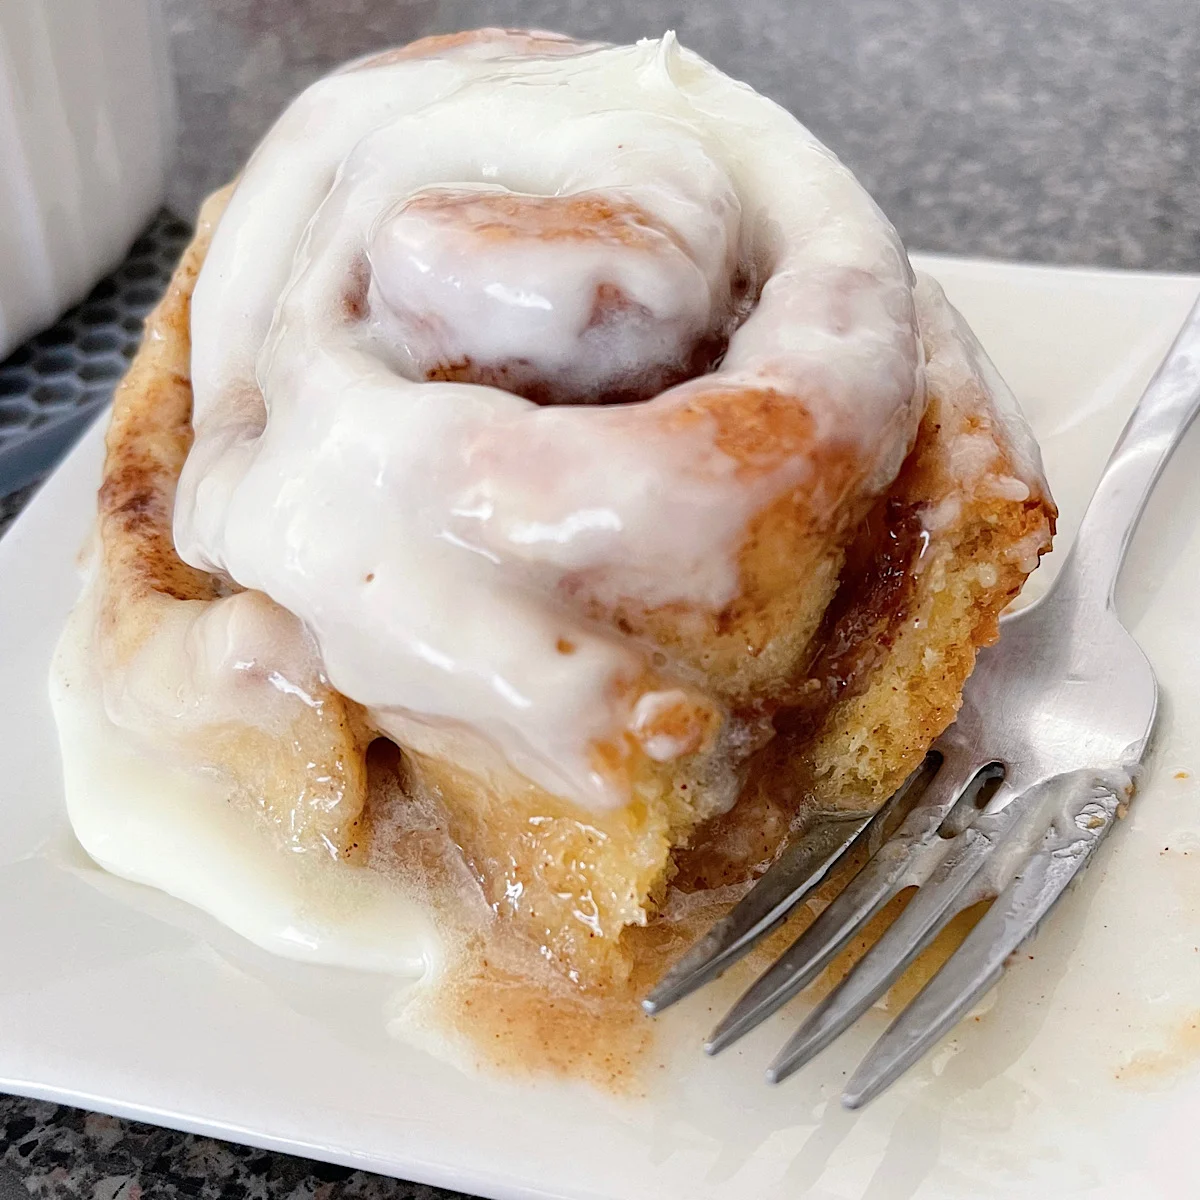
x,y
425,529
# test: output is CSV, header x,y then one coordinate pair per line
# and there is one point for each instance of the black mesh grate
x,y
53,385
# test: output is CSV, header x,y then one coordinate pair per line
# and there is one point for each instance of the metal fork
x,y
1010,804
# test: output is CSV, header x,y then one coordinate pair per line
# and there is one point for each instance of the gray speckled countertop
x,y
1048,130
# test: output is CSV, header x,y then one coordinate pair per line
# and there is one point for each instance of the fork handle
x,y
1154,430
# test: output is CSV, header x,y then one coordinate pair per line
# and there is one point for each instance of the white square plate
x,y
1081,1078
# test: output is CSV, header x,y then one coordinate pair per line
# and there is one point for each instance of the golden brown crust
x,y
883,676
149,436
298,763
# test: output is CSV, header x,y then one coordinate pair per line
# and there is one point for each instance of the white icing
x,y
659,744
157,822
421,530
240,659
958,361
527,307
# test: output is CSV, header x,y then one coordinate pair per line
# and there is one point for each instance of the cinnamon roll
x,y
546,482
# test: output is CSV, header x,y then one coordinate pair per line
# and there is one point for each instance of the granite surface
x,y
1048,130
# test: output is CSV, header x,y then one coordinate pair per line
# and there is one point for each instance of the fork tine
x,y
906,857
1088,814
939,899
799,870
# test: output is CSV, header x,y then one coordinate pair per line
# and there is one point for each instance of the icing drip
x,y
435,278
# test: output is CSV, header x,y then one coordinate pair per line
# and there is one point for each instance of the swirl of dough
x,y
504,339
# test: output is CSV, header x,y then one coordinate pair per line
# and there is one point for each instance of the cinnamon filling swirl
x,y
578,299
